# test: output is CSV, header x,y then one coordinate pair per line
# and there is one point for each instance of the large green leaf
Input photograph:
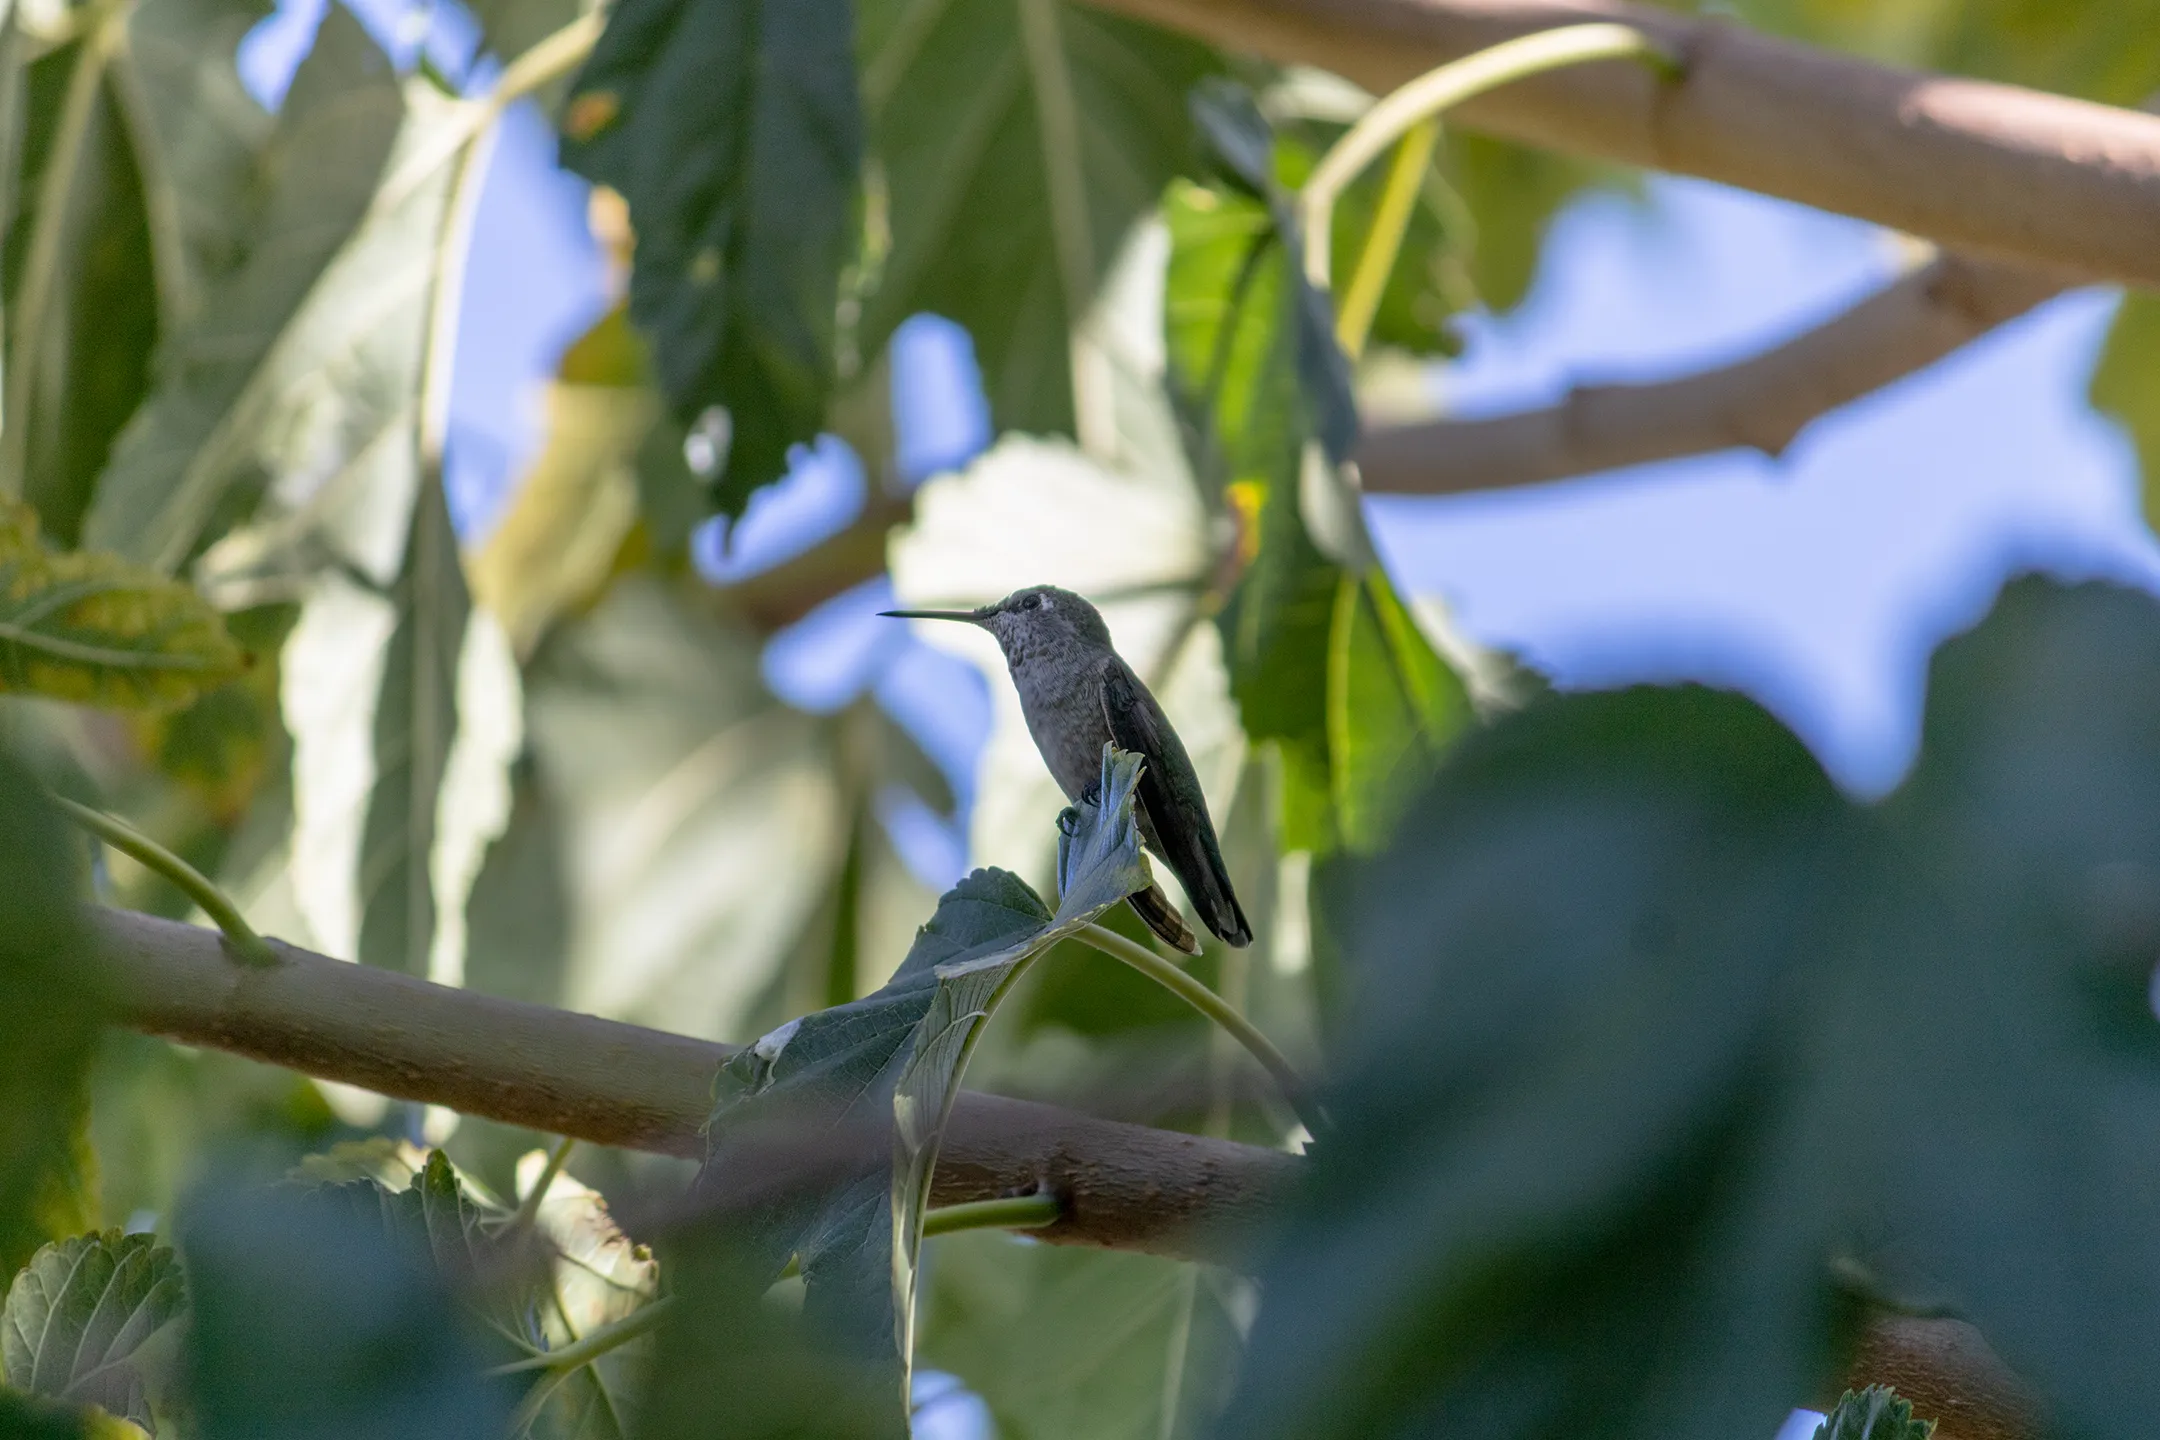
x,y
1018,141
1323,659
1653,1025
1067,1343
237,397
732,128
86,1321
48,1027
895,1058
81,295
1875,1413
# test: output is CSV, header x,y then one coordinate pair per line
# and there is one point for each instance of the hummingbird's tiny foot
x,y
1092,796
1068,822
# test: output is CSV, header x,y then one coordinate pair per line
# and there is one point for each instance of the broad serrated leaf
x,y
1875,1413
92,628
895,1059
733,129
1071,1343
1626,985
1392,707
1018,143
232,380
2126,386
48,1027
84,1323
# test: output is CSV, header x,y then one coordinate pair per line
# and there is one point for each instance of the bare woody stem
x,y
1760,403
1993,170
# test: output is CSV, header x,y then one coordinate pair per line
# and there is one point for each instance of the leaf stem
x,y
1391,221
245,944
528,1208
1449,85
1013,1212
1208,1003
640,1321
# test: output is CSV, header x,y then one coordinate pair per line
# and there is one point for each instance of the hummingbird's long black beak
x,y
968,617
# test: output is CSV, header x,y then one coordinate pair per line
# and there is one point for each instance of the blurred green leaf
x,y
244,373
900,1053
733,129
1613,1093
333,1313
1511,193
1016,144
1393,704
508,28
24,1417
86,1323
1875,1413
1068,1343
81,294
89,627
2126,386
48,1028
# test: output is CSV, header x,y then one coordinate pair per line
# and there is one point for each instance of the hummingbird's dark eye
x,y
1033,602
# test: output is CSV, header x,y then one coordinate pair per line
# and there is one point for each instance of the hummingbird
x,y
1077,692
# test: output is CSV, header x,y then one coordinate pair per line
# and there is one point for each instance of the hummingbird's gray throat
x,y
1078,694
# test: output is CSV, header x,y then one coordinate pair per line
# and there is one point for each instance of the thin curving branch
x,y
1991,170
1760,403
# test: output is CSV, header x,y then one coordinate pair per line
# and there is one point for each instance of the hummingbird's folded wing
x,y
1170,793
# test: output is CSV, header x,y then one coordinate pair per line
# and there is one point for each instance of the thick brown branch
x,y
1989,169
1125,1186
1759,403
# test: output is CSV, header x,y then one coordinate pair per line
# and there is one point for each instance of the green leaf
x,y
897,1057
1627,982
1875,1413
48,1028
1067,1343
732,127
1017,144
84,1323
81,295
23,1417
1511,192
245,370
92,628
2126,386
346,1311
1323,659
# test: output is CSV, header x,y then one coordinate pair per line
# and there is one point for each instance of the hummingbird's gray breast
x,y
1064,710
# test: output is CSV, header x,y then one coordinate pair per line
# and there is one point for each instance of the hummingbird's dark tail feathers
x,y
1162,917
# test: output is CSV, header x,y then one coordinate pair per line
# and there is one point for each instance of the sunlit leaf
x,y
90,627
1018,144
86,1322
1613,1093
1070,1343
732,128
233,381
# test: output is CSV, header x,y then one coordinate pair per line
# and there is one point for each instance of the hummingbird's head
x,y
1039,618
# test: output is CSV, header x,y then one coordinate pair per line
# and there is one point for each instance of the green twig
x,y
583,1352
528,1208
1449,85
1015,1212
1391,221
241,936
1208,1003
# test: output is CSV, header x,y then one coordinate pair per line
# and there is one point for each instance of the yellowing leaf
x,y
89,627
